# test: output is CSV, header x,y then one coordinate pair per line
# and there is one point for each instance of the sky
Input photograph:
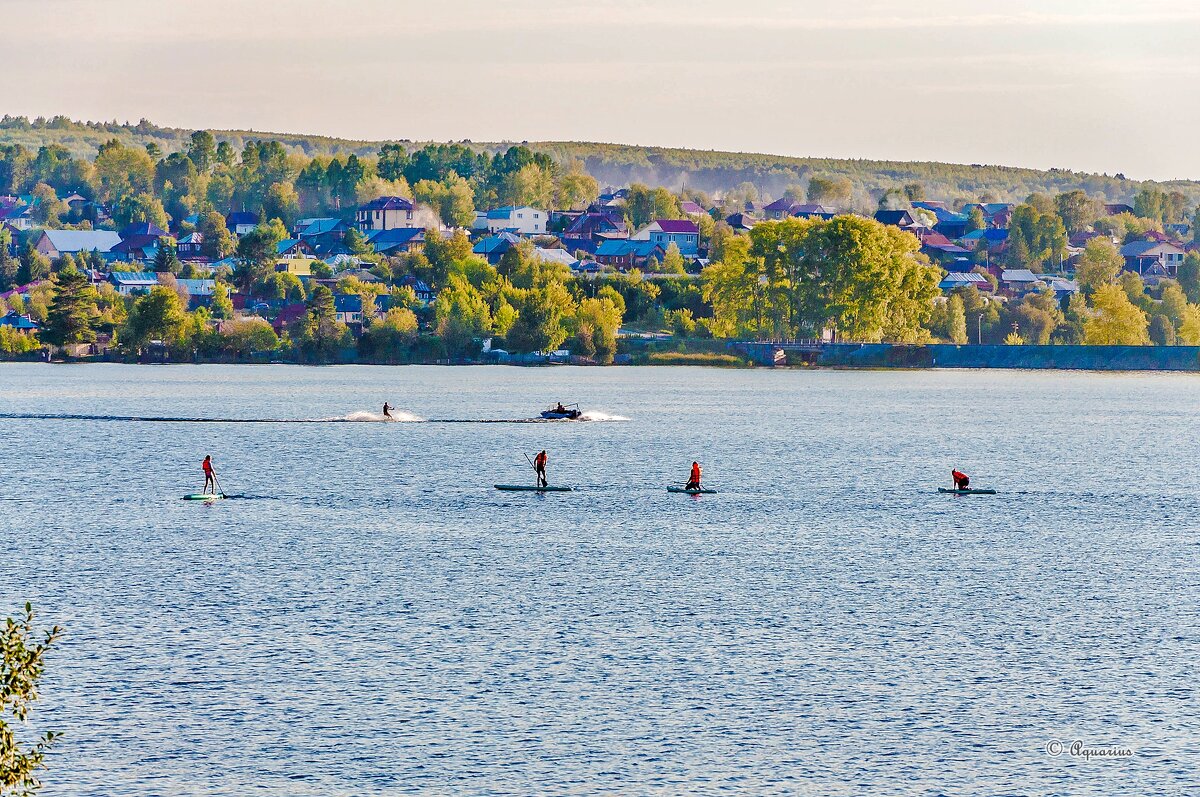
x,y
1091,85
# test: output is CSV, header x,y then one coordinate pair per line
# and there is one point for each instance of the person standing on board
x,y
210,477
694,479
539,467
961,480
387,411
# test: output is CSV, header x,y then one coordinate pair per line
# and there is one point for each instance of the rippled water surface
x,y
372,618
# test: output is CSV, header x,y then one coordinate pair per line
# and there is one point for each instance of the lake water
x,y
373,618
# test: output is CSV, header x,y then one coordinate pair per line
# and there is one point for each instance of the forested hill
x,y
617,164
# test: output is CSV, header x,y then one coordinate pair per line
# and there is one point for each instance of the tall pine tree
x,y
73,310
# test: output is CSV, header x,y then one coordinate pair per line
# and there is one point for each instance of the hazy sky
x,y
1085,84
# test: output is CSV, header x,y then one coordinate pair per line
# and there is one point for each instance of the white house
x,y
522,221
385,213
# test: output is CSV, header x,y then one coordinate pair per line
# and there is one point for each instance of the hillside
x,y
618,164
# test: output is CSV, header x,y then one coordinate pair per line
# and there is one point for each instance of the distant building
x,y
55,243
395,241
348,308
629,254
683,233
1153,258
522,220
131,283
241,222
21,323
385,213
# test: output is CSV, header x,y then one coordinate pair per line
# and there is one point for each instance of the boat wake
x,y
376,417
353,417
596,415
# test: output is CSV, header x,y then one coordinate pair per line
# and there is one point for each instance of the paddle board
x,y
690,492
204,497
525,488
969,491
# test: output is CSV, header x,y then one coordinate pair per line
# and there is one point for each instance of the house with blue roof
x,y
199,291
522,220
348,309
241,222
955,280
494,247
627,254
397,240
21,323
132,283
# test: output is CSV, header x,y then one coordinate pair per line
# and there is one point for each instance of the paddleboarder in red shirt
x,y
961,480
539,467
210,477
694,479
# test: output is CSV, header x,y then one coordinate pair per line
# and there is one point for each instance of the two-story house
x,y
520,220
385,213
682,232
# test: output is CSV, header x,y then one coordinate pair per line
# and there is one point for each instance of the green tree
x,y
257,252
122,171
596,324
159,315
24,662
166,260
1099,265
673,261
540,319
1174,304
48,209
321,336
1077,210
1115,321
143,207
835,191
33,266
217,242
245,336
203,151
462,316
391,337
222,305
957,320
1189,276
644,205
72,311
577,190
1162,331
975,220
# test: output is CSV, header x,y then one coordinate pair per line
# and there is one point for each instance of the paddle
x,y
217,482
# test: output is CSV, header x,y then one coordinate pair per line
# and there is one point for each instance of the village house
x,y
56,243
132,283
241,222
385,213
494,247
1153,258
596,225
21,323
396,241
663,232
188,247
629,254
522,220
348,309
